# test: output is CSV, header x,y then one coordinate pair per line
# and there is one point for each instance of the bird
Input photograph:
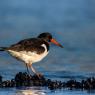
x,y
32,50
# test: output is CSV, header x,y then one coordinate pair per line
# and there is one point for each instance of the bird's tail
x,y
3,48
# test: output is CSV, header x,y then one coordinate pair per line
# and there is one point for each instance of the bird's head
x,y
48,37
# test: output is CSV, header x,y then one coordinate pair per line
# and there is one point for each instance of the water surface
x,y
71,22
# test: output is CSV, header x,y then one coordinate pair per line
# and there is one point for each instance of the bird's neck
x,y
46,44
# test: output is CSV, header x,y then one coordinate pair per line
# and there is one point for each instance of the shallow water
x,y
40,91
71,22
59,76
43,91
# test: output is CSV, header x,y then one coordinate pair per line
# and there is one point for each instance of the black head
x,y
48,37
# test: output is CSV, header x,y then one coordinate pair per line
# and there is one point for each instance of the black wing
x,y
32,44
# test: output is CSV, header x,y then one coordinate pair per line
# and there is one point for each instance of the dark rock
x,y
6,83
0,78
24,79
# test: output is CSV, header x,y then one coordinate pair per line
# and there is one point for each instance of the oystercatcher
x,y
31,50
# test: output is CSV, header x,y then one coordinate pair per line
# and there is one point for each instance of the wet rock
x,y
6,83
0,79
55,85
24,79
89,83
73,84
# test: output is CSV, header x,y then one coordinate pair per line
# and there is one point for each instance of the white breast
x,y
29,57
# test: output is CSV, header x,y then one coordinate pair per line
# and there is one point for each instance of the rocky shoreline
x,y
22,79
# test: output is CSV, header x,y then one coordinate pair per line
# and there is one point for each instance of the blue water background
x,y
71,22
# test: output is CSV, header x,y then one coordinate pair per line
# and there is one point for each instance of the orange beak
x,y
56,43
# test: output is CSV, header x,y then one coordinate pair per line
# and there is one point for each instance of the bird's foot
x,y
39,75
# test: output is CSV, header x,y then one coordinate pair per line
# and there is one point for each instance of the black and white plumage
x,y
31,50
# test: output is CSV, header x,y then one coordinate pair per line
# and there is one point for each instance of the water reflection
x,y
31,91
71,22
